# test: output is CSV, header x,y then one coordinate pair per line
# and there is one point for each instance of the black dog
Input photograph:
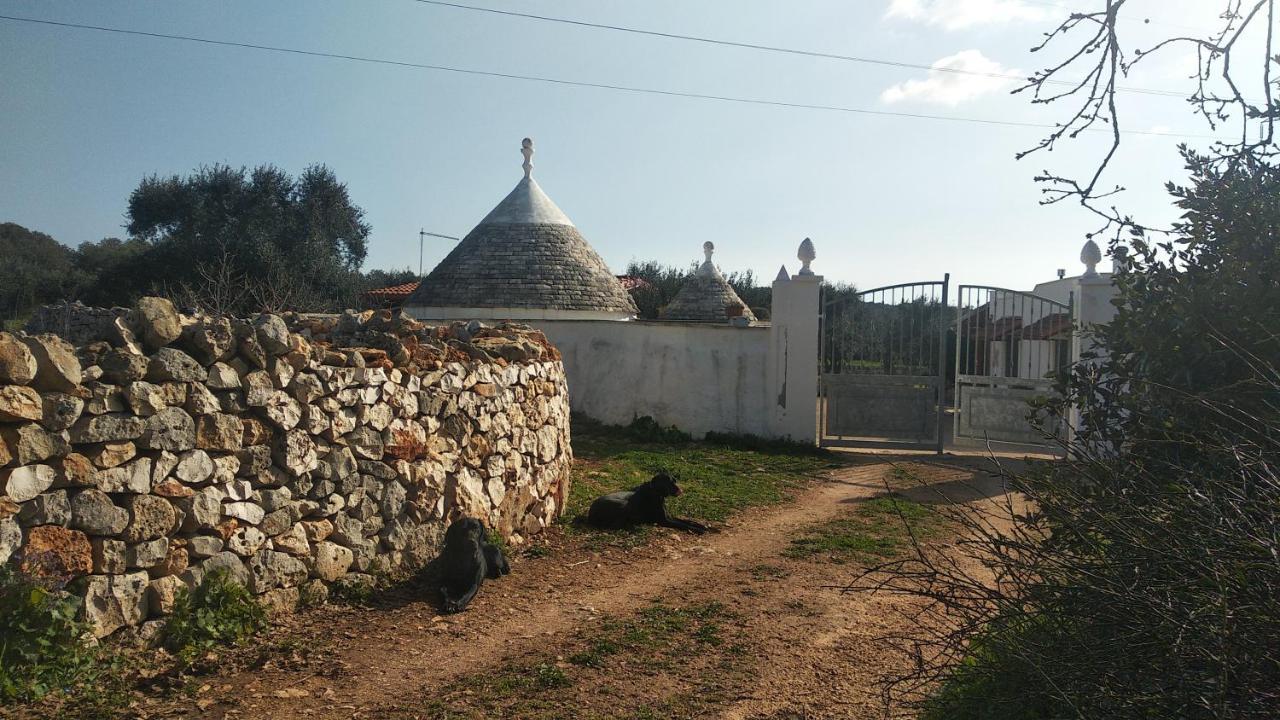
x,y
645,504
466,560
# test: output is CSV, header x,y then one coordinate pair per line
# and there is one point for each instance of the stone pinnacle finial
x,y
708,247
526,149
806,255
1090,255
782,274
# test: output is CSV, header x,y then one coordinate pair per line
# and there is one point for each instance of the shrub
x,y
219,611
41,639
1144,583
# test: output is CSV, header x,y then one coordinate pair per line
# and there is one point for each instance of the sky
x,y
85,115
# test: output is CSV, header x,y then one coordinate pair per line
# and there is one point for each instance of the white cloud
x,y
960,14
953,88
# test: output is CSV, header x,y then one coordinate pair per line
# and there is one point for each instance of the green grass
x,y
718,479
660,638
876,530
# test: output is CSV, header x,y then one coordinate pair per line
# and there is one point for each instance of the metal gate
x,y
883,366
1008,344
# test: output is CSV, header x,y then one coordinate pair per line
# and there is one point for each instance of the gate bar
x,y
942,363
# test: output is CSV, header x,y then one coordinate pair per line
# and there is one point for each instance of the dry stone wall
x,y
293,452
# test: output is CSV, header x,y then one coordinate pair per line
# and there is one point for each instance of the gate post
x,y
793,352
1092,307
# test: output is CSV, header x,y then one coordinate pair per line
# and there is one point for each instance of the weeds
x,y
877,530
41,649
219,611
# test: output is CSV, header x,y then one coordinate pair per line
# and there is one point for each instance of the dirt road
x,y
763,637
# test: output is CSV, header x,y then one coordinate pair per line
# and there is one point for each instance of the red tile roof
x,y
395,291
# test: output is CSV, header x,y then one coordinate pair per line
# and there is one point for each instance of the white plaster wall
x,y
697,377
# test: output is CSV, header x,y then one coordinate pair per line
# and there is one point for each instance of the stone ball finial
x,y
526,149
1090,255
708,247
806,255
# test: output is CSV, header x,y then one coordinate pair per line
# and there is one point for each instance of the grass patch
x,y
593,682
876,530
718,479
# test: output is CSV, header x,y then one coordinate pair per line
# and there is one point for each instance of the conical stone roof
x,y
706,296
525,254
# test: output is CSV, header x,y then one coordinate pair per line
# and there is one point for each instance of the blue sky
x,y
85,115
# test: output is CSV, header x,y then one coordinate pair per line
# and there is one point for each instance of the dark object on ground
x,y
645,504
466,560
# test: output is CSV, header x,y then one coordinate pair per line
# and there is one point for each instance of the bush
x,y
41,639
1144,584
220,611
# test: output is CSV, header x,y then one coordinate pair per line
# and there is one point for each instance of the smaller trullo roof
x,y
706,296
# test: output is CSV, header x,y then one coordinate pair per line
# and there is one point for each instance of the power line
x,y
773,48
577,83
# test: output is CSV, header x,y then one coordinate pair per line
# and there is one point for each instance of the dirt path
x,y
815,646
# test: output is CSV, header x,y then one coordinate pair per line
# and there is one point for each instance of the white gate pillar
x,y
1093,295
793,352
1093,307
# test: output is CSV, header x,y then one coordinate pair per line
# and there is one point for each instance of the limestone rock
x,y
171,429
103,399
121,367
281,410
17,364
111,454
58,368
254,459
26,482
228,562
10,538
74,470
200,401
203,510
306,388
366,443
30,443
150,517
331,561
209,340
173,364
172,489
108,556
295,452
280,601
60,410
114,601
203,546
272,333
133,477
246,541
145,399
223,377
155,321
146,554
292,541
53,551
162,593
272,499
249,512
110,427
51,508
19,403
194,468
317,530
174,562
269,569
